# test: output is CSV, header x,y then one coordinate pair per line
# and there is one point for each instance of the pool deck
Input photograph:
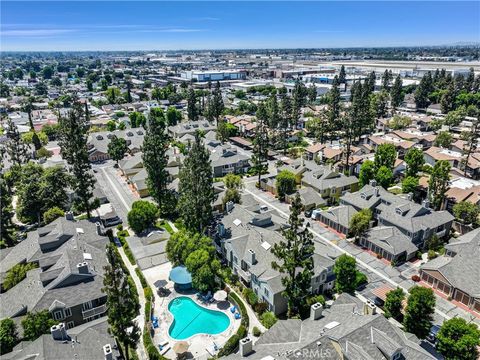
x,y
198,343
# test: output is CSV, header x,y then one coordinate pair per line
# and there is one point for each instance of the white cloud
x,y
35,32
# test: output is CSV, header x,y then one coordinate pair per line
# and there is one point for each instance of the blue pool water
x,y
191,319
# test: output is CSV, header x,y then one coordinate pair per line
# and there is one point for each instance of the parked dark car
x,y
432,336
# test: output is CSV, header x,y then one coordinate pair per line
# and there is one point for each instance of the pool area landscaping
x,y
185,323
190,318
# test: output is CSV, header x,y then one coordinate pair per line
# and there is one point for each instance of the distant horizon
x,y
86,26
248,49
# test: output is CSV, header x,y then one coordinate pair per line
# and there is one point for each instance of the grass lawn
x,y
165,224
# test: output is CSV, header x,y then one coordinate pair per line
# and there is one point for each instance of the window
x,y
68,312
70,324
58,315
87,306
266,292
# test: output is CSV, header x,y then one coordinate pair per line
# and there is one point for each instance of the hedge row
x,y
150,348
143,281
239,304
126,248
231,345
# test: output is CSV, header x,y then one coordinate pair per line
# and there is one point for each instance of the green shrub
x,y
129,254
268,319
315,299
432,254
241,332
152,351
250,295
52,214
360,278
230,346
256,331
147,291
143,281
260,307
123,233
16,274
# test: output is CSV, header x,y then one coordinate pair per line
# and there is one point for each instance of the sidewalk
x,y
140,319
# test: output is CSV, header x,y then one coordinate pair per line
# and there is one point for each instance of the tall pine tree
x,y
16,149
155,161
295,259
73,143
260,142
122,302
196,187
217,105
192,108
285,120
396,94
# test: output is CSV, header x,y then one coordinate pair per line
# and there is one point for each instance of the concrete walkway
x,y
140,319
252,317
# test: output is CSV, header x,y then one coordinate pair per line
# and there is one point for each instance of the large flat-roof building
x,y
214,75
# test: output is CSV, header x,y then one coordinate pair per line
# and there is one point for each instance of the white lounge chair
x,y
165,350
163,343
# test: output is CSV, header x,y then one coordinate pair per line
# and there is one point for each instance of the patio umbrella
x,y
160,283
181,347
220,295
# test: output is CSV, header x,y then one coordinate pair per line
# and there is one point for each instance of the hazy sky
x,y
135,25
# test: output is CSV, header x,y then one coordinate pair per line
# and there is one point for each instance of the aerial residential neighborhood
x,y
177,186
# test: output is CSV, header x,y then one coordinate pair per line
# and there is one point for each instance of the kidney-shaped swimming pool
x,y
190,319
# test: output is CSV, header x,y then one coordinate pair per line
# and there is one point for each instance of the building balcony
x,y
245,275
94,311
441,233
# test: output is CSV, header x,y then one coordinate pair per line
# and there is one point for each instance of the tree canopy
x,y
196,187
36,324
419,311
458,340
285,183
198,254
346,274
142,215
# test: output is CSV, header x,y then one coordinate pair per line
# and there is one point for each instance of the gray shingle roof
x,y
58,278
463,269
88,343
344,330
391,239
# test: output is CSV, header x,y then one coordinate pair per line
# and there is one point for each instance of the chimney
x,y
246,347
251,257
376,190
229,206
69,216
59,332
369,308
83,268
99,229
373,183
107,351
316,311
426,203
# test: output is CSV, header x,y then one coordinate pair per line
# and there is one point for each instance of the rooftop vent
x,y
59,332
83,268
107,352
